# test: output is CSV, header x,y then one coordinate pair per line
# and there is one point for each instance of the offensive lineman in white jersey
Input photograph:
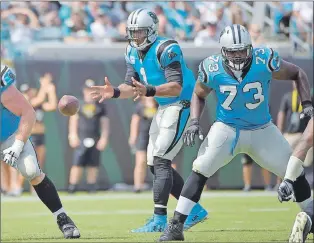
x,y
17,120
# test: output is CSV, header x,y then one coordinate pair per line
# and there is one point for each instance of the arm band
x,y
116,92
150,91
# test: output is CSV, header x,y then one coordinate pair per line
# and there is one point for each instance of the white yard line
x,y
126,212
131,196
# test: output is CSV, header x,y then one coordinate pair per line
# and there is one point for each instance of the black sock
x,y
48,194
177,184
162,184
194,186
180,217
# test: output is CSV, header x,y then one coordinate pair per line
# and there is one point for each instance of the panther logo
x,y
154,17
171,54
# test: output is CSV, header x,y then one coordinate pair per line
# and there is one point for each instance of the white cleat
x,y
301,228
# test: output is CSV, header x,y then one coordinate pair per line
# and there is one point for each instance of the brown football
x,y
68,105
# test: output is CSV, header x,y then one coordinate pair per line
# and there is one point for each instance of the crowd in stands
x,y
201,22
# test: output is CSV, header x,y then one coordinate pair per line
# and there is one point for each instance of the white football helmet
x,y
142,28
236,47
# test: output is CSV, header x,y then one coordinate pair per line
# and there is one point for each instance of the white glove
x,y
11,154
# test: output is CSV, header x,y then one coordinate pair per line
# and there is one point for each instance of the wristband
x,y
195,121
306,103
116,92
150,91
294,168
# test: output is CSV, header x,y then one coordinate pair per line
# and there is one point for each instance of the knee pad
x,y
29,167
162,167
301,188
163,180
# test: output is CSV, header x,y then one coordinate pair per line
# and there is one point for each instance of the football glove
x,y
285,191
11,154
308,110
194,129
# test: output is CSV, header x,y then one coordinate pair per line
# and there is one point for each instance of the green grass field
x,y
109,217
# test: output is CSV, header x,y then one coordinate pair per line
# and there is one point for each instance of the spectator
x,y
256,35
281,17
88,135
209,35
48,13
177,20
75,28
9,181
102,28
210,10
23,23
237,14
193,22
164,28
139,138
247,163
303,20
43,100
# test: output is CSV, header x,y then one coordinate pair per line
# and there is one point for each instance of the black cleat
x,y
173,231
67,226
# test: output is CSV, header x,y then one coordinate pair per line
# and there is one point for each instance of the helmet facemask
x,y
237,58
139,38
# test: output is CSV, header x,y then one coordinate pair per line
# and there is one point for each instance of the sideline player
x,y
17,120
156,68
240,77
288,190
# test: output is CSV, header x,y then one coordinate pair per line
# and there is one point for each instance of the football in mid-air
x,y
68,105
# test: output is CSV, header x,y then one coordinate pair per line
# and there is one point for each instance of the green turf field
x,y
233,217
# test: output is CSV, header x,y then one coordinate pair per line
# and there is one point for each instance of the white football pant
x,y
27,163
166,130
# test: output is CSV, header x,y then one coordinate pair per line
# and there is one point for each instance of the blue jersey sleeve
x,y
7,78
204,74
274,59
127,55
172,53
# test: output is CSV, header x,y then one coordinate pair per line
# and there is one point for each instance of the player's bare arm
x,y
74,140
289,71
107,91
52,101
16,103
171,89
200,93
198,100
305,143
134,129
105,128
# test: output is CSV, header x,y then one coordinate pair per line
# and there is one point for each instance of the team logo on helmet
x,y
154,17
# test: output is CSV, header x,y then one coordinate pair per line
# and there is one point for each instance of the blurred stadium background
x,y
76,41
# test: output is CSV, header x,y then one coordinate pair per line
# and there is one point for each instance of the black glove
x,y
194,129
285,191
308,110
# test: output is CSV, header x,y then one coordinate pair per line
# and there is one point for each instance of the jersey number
x,y
213,67
142,71
259,59
259,97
